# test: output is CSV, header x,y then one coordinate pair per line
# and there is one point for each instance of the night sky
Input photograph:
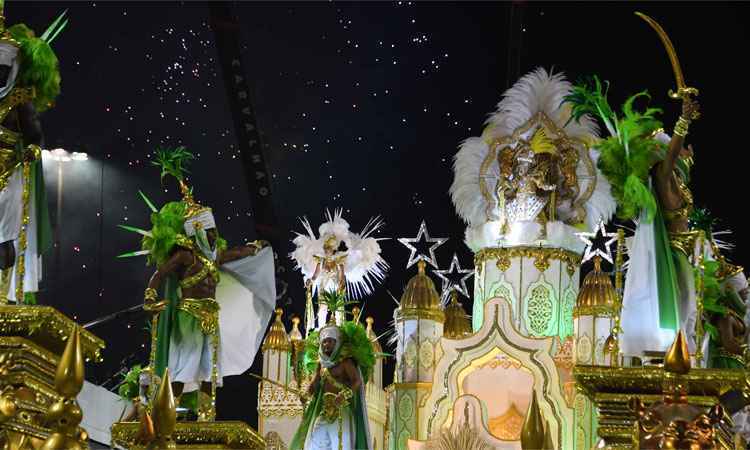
x,y
360,106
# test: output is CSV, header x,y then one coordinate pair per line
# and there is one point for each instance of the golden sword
x,y
683,91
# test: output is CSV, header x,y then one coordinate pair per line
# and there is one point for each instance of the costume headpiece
x,y
175,220
37,68
330,331
173,162
363,265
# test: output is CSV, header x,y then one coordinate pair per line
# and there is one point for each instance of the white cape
x,y
640,304
247,296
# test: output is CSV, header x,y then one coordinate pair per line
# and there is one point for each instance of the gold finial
x,y
64,415
356,313
371,334
277,339
597,296
457,324
295,334
677,359
421,266
532,433
69,376
164,414
420,298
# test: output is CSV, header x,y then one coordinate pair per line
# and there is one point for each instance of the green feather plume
x,y
628,154
173,161
701,219
167,226
39,66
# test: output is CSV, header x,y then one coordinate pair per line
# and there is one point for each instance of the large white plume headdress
x,y
530,112
363,265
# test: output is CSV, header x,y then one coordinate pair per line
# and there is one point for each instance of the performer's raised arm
x,y
690,110
241,251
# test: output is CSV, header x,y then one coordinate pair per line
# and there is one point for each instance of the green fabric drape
x,y
167,322
666,275
43,225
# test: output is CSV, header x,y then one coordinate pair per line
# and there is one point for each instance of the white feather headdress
x,y
363,265
477,169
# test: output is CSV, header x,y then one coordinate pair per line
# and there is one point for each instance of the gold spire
x,y
420,298
295,334
532,433
277,339
677,359
64,415
164,412
69,376
356,312
373,337
597,295
457,324
548,445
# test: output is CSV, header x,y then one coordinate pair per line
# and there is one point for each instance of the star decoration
x,y
414,256
592,238
451,284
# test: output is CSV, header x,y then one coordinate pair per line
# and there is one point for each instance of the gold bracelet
x,y
35,151
150,294
681,127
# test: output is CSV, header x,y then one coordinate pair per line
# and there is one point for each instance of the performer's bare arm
x,y
355,381
177,262
689,108
241,251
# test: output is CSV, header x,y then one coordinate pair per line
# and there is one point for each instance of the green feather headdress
x,y
39,65
356,345
629,153
167,223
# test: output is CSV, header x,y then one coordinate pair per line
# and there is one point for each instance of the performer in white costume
x,y
217,301
326,270
335,416
29,84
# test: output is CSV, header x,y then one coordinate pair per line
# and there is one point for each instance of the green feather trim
x,y
628,154
356,345
701,219
39,67
130,385
167,227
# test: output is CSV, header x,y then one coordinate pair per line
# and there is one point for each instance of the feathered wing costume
x,y
497,174
362,264
246,292
353,344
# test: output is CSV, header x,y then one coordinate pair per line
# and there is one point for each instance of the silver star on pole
x,y
590,237
448,284
436,242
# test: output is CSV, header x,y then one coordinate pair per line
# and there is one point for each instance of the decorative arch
x,y
498,335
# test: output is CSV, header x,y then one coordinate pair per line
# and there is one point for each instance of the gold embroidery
x,y
205,310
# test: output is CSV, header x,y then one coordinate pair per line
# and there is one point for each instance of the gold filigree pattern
x,y
507,426
542,255
203,435
426,355
275,401
205,311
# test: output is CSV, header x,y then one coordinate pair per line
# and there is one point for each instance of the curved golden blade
x,y
670,50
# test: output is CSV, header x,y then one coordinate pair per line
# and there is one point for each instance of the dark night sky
x,y
361,106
